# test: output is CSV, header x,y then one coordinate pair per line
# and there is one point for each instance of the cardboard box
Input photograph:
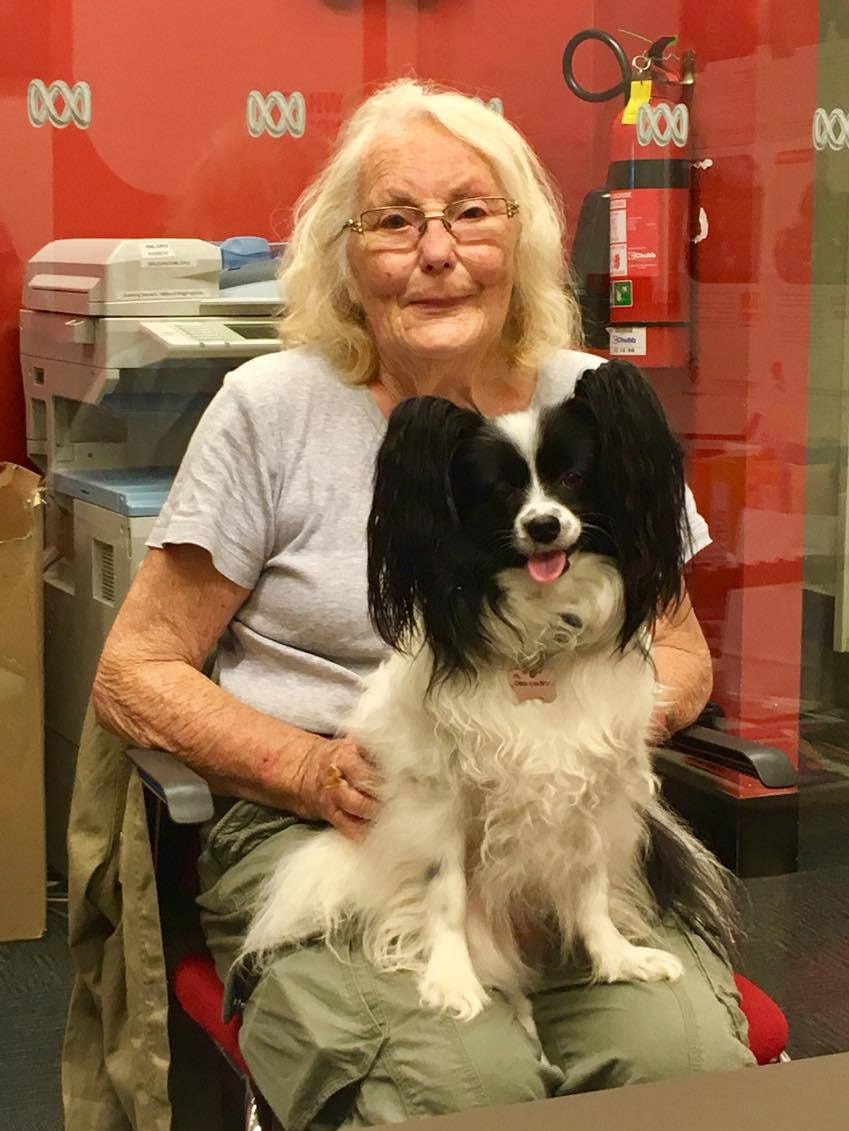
x,y
23,904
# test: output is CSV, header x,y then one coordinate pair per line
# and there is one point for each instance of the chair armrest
x,y
772,767
186,795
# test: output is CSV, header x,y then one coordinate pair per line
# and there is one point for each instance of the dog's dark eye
x,y
571,479
507,492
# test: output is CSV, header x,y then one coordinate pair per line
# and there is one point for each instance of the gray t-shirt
x,y
276,485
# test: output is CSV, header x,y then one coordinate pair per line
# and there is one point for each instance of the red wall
x,y
168,153
746,406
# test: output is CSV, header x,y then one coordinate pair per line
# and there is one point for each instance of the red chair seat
x,y
768,1028
199,991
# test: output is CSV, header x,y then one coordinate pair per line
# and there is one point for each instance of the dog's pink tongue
x,y
548,566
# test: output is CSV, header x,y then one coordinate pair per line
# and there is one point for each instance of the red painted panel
x,y
29,46
169,152
747,417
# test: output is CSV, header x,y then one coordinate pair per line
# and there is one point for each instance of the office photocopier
x,y
123,344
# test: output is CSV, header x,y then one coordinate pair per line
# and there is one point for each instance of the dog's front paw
x,y
639,964
460,995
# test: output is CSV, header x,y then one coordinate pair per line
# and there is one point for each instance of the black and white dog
x,y
517,567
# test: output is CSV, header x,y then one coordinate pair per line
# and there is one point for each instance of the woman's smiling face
x,y
439,298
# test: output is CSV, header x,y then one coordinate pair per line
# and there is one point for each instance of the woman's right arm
x,y
149,687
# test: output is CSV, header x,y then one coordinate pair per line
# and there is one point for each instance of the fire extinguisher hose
x,y
623,88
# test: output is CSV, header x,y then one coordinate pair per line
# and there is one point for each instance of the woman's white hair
x,y
320,309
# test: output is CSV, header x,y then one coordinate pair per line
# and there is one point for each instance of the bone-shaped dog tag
x,y
538,686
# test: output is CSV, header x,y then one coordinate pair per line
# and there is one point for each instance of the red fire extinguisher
x,y
631,251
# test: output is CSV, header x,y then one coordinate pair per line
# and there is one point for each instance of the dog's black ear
x,y
416,547
640,477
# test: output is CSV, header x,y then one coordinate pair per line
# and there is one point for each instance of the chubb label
x,y
628,342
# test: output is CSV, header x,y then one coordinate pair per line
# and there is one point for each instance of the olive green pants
x,y
331,1042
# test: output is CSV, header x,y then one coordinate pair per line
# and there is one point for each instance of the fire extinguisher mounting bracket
x,y
657,51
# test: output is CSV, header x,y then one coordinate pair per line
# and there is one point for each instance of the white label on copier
x,y
162,254
158,250
184,292
190,263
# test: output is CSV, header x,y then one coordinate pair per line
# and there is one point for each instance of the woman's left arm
x,y
684,669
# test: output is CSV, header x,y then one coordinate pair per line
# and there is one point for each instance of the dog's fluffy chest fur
x,y
477,733
531,778
480,738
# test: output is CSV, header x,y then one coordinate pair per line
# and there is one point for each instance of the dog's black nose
x,y
543,529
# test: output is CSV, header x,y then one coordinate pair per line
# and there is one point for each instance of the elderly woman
x,y
426,258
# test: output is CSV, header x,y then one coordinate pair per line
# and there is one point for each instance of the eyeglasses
x,y
402,226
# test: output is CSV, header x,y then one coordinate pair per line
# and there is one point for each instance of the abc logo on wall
x,y
276,114
59,104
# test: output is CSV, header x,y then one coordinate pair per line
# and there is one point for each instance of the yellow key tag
x,y
640,93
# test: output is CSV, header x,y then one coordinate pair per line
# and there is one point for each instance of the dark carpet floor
x,y
35,981
798,934
797,949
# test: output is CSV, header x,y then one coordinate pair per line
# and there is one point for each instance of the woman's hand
x,y
338,784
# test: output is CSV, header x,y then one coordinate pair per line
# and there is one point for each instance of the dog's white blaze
x,y
520,428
